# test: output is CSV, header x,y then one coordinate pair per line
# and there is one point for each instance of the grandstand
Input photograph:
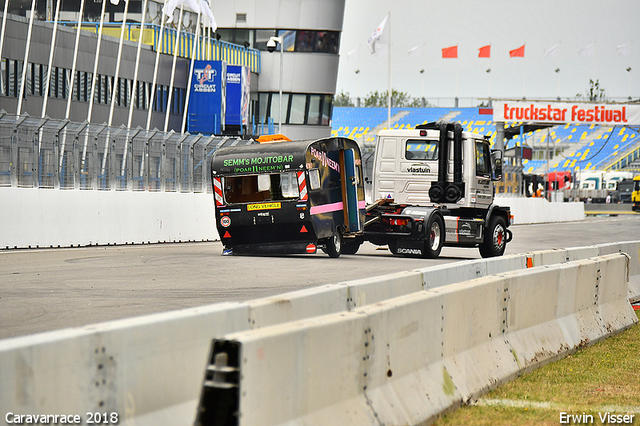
x,y
573,146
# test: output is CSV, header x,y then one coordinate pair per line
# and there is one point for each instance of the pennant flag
x,y
353,54
415,51
450,52
484,52
624,49
552,51
589,50
210,21
517,53
375,36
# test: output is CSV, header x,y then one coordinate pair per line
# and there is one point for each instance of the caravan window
x,y
421,150
259,188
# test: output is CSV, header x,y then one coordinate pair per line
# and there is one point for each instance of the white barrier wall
x,y
152,366
32,217
539,210
409,359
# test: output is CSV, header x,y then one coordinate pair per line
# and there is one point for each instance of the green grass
x,y
601,378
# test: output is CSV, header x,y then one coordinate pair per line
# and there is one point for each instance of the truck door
x,y
350,189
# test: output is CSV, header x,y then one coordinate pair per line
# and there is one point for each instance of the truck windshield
x,y
262,187
421,150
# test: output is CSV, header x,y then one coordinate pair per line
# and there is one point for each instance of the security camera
x,y
271,45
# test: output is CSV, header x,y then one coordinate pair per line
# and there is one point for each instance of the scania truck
x,y
432,186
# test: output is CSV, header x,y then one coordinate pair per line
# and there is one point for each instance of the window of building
x,y
289,39
314,109
298,109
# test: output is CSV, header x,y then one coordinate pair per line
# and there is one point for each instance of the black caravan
x,y
289,197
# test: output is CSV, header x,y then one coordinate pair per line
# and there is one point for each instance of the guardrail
x,y
149,369
60,154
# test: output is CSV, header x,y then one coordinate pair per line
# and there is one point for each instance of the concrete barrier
x,y
165,353
32,217
409,359
539,210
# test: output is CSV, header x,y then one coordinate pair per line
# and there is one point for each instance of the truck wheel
x,y
350,246
495,238
334,244
435,238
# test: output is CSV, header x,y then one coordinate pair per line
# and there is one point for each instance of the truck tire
x,y
334,244
393,246
495,238
435,238
350,246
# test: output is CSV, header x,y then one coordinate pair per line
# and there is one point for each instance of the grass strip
x,y
599,379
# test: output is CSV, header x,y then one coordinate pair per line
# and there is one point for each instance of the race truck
x,y
433,187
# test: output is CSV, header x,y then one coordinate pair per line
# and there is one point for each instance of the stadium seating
x,y
356,123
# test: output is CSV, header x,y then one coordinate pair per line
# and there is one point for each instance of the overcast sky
x,y
505,25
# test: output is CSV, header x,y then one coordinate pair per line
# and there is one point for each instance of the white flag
x,y
375,36
624,49
210,21
415,51
552,51
353,54
115,2
589,50
171,5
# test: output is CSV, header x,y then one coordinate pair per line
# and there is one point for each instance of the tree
x,y
342,100
398,100
595,93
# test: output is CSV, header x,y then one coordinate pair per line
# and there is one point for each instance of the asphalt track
x,y
49,289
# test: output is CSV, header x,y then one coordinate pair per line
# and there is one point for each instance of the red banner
x,y
566,112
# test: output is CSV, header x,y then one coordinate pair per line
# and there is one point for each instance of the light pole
x,y
271,47
629,71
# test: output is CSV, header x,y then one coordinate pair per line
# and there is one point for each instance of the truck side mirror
x,y
496,164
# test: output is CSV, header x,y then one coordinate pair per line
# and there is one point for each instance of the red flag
x,y
517,53
484,52
450,52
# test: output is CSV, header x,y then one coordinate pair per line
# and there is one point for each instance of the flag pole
x,y
173,70
26,58
50,63
389,74
134,92
193,54
159,49
2,31
115,88
94,77
116,85
67,112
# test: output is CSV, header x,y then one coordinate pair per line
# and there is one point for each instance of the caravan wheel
x,y
334,244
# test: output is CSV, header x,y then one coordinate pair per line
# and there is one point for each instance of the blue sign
x,y
238,95
207,98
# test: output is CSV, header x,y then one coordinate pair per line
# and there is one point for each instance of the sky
x,y
505,25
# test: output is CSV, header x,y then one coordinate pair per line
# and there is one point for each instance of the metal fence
x,y
59,154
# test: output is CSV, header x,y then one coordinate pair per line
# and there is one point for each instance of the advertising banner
x,y
566,112
238,93
207,101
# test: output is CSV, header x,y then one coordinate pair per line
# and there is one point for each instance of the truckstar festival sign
x,y
566,112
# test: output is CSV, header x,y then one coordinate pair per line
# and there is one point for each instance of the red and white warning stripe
x,y
217,189
302,186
